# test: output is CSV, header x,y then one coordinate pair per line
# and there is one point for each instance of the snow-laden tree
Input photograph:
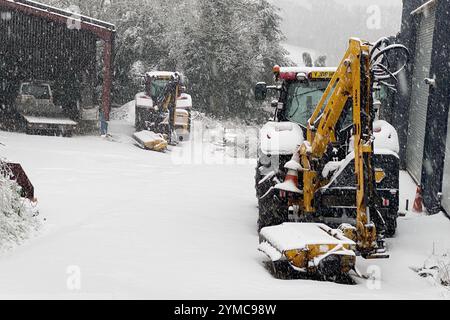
x,y
233,45
223,47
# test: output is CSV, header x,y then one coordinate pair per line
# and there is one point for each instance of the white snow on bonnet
x,y
386,138
279,138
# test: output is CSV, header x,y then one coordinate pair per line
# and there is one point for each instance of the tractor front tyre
x,y
391,225
272,212
138,123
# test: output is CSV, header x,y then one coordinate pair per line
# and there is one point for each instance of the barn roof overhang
x,y
424,7
101,29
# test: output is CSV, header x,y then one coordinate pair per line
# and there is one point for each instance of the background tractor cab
x,y
297,92
147,113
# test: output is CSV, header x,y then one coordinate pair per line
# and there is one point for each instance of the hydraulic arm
x,y
353,80
168,100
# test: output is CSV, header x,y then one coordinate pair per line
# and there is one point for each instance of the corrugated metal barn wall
x,y
438,108
401,101
438,102
36,48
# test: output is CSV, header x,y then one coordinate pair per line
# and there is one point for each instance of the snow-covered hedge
x,y
18,216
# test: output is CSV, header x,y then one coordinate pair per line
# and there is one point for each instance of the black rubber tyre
x,y
272,210
391,225
67,134
139,126
258,177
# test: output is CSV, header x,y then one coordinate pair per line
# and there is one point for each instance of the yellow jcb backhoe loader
x,y
156,110
309,245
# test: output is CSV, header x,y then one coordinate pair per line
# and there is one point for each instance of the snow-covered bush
x,y
444,271
18,216
438,268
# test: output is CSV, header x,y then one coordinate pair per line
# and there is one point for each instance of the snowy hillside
x,y
140,224
296,53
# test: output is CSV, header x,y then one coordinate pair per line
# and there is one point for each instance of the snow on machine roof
x,y
160,74
299,73
307,70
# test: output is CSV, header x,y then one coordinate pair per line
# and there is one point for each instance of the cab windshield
x,y
39,91
302,99
156,87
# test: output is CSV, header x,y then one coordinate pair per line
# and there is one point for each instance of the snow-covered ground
x,y
122,222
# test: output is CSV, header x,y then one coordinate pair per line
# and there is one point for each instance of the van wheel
x,y
67,134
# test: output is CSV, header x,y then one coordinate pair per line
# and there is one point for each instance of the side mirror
x,y
261,91
142,81
274,104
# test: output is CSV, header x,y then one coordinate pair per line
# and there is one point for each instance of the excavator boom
x,y
351,81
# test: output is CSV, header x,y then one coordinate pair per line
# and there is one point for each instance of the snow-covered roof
x,y
50,12
307,69
160,74
423,7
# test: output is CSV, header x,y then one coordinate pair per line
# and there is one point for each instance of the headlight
x,y
265,160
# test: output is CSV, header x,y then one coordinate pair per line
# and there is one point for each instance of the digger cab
x,y
300,88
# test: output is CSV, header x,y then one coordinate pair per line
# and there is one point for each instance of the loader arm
x,y
353,80
168,100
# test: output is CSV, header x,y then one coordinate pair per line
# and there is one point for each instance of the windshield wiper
x,y
305,93
297,96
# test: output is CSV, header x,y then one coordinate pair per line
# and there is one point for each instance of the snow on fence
x,y
18,216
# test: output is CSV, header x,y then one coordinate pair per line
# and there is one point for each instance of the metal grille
x,y
419,94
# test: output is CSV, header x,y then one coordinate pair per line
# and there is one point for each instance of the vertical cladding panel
x,y
419,94
436,186
446,175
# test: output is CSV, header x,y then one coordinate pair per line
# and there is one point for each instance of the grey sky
x,y
325,27
394,3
